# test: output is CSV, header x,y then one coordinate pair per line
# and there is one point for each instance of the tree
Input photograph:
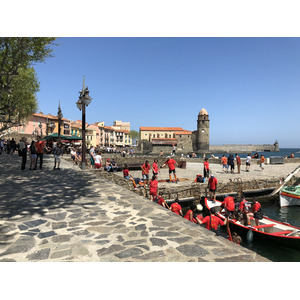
x,y
18,81
134,134
22,102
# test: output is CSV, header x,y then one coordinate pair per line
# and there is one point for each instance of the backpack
x,y
199,178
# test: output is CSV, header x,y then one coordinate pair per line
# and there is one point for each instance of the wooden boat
x,y
290,196
268,230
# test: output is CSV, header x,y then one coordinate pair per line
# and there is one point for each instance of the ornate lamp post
x,y
59,115
84,100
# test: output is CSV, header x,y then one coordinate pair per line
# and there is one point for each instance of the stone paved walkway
x,y
73,215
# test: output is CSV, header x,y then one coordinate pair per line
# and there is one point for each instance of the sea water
x,y
291,215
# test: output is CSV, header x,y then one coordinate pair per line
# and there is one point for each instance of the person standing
x,y
33,156
206,168
231,163
58,152
212,186
262,162
238,163
176,207
228,205
153,188
39,145
171,163
145,171
248,162
92,157
224,163
23,149
155,169
256,212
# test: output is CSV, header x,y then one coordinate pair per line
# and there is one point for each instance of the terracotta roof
x,y
161,129
183,132
49,116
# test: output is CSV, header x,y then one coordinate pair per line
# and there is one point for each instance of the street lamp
x,y
84,100
59,115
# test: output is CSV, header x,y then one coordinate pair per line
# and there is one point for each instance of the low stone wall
x,y
241,148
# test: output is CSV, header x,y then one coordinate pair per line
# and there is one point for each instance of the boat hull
x,y
287,199
272,237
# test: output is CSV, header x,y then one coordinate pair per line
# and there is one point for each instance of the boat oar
x,y
285,181
228,230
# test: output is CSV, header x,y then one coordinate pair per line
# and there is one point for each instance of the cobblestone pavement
x,y
73,215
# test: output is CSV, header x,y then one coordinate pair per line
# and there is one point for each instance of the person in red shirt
x,y
212,186
153,188
127,175
155,169
212,221
190,214
206,168
176,208
245,207
161,200
171,163
229,206
256,212
145,171
40,146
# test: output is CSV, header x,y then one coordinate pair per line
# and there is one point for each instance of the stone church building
x,y
156,139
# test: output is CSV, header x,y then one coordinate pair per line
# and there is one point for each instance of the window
x,y
170,136
154,135
166,135
158,135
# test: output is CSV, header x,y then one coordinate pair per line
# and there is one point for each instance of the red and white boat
x,y
268,230
290,196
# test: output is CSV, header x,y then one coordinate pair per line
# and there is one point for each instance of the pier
x,y
74,215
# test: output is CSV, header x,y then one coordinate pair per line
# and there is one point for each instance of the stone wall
x,y
241,148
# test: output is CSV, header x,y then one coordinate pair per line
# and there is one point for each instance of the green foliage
x,y
18,80
134,134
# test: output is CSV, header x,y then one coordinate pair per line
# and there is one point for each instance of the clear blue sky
x,y
249,86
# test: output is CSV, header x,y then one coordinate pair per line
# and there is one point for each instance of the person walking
x,y
58,153
224,163
23,152
171,163
262,162
238,163
248,162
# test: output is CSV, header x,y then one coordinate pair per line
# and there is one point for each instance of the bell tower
x,y
203,131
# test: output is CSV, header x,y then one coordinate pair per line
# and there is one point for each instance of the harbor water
x,y
291,215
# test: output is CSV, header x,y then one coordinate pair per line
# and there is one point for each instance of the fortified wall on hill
x,y
156,139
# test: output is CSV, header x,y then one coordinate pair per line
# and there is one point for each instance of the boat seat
x,y
263,226
281,232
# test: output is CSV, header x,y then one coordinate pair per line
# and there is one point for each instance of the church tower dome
x,y
203,112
